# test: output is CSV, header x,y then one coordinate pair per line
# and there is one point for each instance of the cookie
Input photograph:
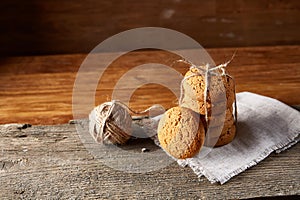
x,y
194,85
220,119
221,89
216,131
181,132
230,89
195,105
199,106
225,138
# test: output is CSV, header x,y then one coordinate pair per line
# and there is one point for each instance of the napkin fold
x,y
264,125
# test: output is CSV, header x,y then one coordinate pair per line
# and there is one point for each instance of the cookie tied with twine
x,y
110,123
210,91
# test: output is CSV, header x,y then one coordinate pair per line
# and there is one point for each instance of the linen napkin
x,y
264,125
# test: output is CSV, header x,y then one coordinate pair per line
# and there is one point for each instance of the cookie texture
x,y
220,89
199,106
227,135
220,128
230,89
181,132
225,118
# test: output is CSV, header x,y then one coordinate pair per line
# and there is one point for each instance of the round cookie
x,y
195,83
230,89
199,106
217,131
220,119
221,89
225,138
195,105
181,132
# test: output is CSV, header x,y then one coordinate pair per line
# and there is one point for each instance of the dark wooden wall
x,y
34,27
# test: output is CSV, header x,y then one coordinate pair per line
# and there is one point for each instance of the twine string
x,y
206,76
141,114
112,130
110,121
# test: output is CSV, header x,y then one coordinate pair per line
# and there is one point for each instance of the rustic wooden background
x,y
42,45
77,26
38,89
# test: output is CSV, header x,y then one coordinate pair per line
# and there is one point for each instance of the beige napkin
x,y
264,125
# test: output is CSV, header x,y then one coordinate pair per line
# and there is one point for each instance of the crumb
x,y
145,150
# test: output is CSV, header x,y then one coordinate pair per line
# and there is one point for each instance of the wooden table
x,y
48,160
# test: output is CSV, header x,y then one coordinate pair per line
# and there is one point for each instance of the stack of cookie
x,y
205,114
213,98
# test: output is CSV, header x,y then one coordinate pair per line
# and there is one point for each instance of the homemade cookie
x,y
196,105
199,106
230,89
217,131
220,97
225,138
220,119
221,89
181,132
194,85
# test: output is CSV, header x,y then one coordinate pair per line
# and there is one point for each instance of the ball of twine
x,y
110,123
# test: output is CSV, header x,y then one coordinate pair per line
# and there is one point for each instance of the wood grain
x,y
51,26
50,161
38,89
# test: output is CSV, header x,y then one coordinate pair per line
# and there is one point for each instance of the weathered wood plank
x,y
51,26
51,162
259,55
39,88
